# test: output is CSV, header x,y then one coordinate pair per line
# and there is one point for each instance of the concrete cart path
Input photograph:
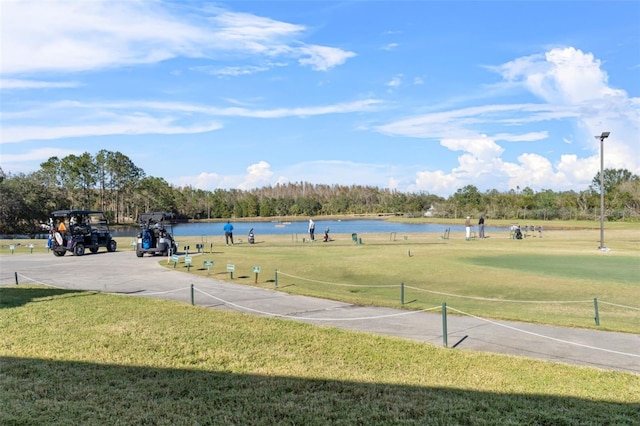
x,y
122,272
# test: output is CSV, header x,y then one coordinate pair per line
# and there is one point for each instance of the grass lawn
x,y
71,357
621,269
76,357
552,280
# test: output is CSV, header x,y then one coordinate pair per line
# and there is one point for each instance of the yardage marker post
x,y
230,269
208,264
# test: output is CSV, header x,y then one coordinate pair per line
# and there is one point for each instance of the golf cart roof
x,y
62,213
155,217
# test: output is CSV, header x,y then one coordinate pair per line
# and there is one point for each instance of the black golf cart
x,y
155,234
78,230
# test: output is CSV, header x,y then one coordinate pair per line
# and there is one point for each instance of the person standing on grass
x,y
228,232
481,227
312,229
467,228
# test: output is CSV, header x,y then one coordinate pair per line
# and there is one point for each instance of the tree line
x,y
111,182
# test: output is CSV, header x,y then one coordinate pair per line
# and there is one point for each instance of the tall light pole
x,y
602,137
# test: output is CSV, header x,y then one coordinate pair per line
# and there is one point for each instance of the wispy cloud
x,y
525,137
77,36
143,117
16,161
396,81
17,84
323,58
136,125
231,71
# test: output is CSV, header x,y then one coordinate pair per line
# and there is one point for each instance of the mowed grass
x,y
621,269
552,279
72,357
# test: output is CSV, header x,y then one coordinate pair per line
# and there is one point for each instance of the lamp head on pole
x,y
603,136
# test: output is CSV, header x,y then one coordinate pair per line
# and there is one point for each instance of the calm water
x,y
288,228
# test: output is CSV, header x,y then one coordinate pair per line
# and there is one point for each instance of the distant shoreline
x,y
390,217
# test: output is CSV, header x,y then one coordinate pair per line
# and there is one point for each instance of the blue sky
x,y
409,95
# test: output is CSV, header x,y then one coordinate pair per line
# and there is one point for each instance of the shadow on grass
x,y
15,296
49,392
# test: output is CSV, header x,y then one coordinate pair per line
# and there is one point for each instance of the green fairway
x,y
487,278
72,357
620,269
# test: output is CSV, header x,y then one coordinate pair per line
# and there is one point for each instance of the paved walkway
x,y
123,272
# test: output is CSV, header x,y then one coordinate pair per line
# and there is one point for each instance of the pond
x,y
301,227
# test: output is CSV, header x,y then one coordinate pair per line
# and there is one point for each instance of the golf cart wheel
x,y
93,249
139,253
59,253
78,250
112,246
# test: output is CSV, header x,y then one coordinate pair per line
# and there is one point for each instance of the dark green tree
x,y
24,204
123,176
467,200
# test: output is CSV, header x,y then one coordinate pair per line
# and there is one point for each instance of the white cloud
x,y
39,155
14,84
534,171
231,71
131,125
471,122
574,87
209,181
525,137
337,172
282,180
574,80
483,149
437,182
77,36
203,181
396,81
258,174
140,117
393,183
481,165
323,58
561,76
578,169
